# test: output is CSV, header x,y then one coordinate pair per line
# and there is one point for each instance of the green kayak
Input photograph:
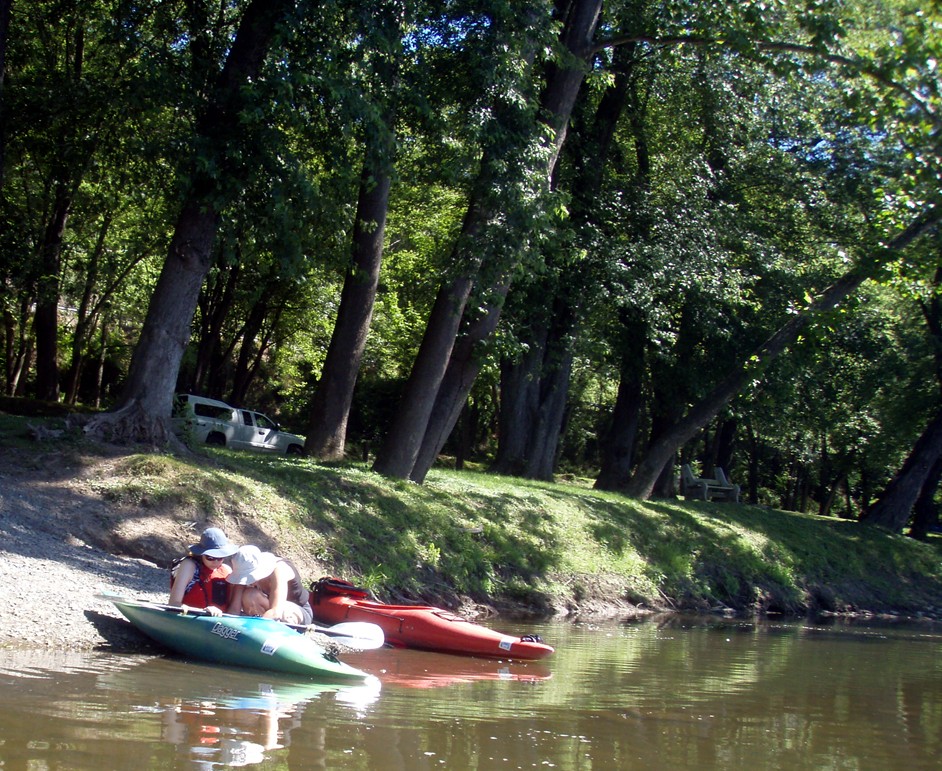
x,y
244,641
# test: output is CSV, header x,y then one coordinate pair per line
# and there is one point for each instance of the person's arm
x,y
181,578
278,594
235,599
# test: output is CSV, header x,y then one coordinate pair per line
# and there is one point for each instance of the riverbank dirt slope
x,y
64,540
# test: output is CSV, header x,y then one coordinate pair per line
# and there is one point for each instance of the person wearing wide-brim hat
x,y
198,580
268,586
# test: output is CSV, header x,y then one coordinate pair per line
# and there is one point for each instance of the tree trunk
x,y
258,358
215,302
565,79
518,404
19,345
333,394
618,444
590,158
147,398
244,370
4,28
453,390
660,452
88,311
100,362
46,319
535,392
327,426
66,176
827,505
544,438
724,444
926,510
752,475
893,509
143,411
402,448
9,350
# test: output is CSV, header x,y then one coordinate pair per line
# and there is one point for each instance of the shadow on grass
x,y
416,537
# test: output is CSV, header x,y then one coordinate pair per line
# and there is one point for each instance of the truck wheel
x,y
295,449
219,440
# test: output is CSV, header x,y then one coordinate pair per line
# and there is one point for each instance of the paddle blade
x,y
354,634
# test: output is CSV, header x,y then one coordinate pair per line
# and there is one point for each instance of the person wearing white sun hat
x,y
268,586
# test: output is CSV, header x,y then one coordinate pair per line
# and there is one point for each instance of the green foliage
x,y
750,167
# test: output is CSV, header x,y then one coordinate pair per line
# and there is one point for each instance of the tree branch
x,y
854,62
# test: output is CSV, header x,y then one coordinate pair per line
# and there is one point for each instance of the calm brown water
x,y
691,693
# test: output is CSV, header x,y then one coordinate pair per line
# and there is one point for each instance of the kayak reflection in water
x,y
230,734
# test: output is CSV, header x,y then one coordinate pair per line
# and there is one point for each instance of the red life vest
x,y
207,588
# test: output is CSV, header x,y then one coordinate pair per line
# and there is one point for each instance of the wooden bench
x,y
715,488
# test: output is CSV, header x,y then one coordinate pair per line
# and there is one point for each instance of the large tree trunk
x,y
535,390
661,451
565,78
401,450
917,480
893,509
147,399
333,395
327,426
143,411
463,368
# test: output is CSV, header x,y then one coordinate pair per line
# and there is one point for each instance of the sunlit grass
x,y
485,534
488,536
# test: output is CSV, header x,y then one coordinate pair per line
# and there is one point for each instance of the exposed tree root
x,y
132,424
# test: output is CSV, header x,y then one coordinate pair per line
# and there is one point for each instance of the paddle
x,y
357,635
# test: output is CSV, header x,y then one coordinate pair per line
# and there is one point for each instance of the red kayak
x,y
419,626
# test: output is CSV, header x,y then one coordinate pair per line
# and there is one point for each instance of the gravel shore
x,y
49,573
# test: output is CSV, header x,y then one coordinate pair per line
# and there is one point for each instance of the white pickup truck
x,y
211,421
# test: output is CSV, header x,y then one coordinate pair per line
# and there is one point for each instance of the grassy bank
x,y
518,545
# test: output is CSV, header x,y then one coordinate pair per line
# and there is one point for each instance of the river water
x,y
657,694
